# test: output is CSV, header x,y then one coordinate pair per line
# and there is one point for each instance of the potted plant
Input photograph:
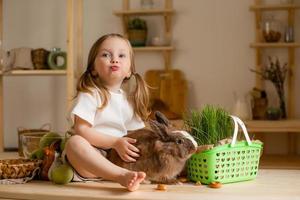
x,y
137,31
220,158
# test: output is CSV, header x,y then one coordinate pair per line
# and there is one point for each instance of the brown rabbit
x,y
163,151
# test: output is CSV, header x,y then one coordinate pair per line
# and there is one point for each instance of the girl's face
x,y
113,63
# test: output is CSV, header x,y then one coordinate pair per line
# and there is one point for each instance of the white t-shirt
x,y
115,119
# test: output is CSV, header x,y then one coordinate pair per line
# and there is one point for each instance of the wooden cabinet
x,y
74,42
166,13
289,125
169,93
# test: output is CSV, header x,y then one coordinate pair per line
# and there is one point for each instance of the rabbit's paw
x,y
169,181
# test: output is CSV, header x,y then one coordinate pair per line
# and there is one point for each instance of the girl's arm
x,y
122,145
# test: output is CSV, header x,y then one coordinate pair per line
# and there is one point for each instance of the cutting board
x,y
169,87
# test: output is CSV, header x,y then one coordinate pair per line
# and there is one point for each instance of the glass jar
x,y
147,4
289,34
271,30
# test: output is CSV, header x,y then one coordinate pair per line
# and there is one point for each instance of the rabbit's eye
x,y
179,141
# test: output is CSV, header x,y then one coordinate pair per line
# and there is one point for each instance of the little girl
x,y
104,113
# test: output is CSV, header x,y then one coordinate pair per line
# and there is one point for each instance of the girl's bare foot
x,y
131,180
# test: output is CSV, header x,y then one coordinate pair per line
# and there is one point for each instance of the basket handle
x,y
238,122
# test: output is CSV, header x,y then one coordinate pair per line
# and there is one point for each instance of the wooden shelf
x,y
280,162
145,12
289,125
154,48
33,72
274,45
274,7
253,126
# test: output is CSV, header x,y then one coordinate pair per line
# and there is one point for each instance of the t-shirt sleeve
x,y
85,107
134,124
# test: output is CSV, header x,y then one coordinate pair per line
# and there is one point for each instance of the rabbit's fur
x,y
163,151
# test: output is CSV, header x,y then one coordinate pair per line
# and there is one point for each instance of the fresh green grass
x,y
209,125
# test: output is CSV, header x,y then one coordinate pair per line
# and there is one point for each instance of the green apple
x,y
48,139
62,174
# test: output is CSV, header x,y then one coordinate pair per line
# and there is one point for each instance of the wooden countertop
x,y
270,184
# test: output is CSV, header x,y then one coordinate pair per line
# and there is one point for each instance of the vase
x,y
53,59
289,34
282,104
242,107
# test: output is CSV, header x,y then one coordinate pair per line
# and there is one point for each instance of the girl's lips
x,y
114,68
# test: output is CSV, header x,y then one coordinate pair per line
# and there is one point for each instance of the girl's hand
x,y
125,149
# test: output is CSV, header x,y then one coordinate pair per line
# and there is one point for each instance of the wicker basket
x,y
32,132
18,168
226,163
39,58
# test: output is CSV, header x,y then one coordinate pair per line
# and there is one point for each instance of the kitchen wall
x,y
212,48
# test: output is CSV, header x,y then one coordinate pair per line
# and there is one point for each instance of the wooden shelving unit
x,y
279,162
274,45
165,79
166,13
74,57
34,73
290,125
276,126
154,48
261,7
145,12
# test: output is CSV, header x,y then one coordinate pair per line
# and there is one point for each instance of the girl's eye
x,y
105,55
122,55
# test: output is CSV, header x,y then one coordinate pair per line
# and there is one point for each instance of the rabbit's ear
x,y
161,118
159,128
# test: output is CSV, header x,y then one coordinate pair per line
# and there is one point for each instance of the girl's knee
x,y
75,142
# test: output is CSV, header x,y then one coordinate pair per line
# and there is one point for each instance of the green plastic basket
x,y
227,163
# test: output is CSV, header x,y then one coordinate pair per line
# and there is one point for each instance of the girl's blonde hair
x,y
139,98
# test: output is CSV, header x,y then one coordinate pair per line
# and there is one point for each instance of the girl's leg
x,y
90,163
